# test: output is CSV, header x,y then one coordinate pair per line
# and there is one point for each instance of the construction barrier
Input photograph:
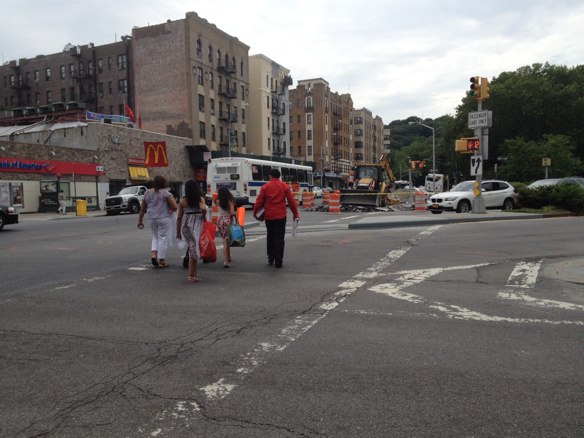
x,y
325,197
241,215
420,201
307,200
214,209
334,202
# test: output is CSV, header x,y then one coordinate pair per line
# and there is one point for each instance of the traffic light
x,y
413,165
421,164
475,88
484,88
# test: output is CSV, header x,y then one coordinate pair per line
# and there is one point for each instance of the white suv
x,y
497,194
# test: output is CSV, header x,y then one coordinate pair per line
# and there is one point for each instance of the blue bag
x,y
236,235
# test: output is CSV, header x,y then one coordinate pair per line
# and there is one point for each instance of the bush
x,y
568,197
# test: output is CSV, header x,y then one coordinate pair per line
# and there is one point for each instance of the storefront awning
x,y
138,173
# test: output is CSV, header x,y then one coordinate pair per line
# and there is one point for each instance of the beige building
x,y
269,114
320,129
368,135
191,80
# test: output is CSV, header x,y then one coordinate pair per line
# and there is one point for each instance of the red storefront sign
x,y
19,165
155,154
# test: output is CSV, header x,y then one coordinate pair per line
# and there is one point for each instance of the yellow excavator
x,y
372,185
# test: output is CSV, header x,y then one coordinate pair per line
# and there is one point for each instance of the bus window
x,y
256,172
286,174
266,172
293,175
302,176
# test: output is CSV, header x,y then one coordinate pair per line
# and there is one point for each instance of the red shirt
x,y
272,197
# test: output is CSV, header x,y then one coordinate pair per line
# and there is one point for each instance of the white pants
x,y
160,229
62,207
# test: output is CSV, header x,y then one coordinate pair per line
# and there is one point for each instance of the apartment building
x,y
368,135
269,102
320,129
96,78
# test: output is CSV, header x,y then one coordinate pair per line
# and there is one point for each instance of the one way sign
x,y
476,165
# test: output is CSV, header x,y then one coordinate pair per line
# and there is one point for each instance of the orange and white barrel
x,y
307,200
334,202
420,201
214,209
325,197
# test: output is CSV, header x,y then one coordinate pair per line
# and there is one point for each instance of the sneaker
x,y
278,263
270,262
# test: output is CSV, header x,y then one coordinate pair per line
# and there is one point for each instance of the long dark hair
x,y
224,196
193,193
159,182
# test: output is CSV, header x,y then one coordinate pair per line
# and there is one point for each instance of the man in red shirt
x,y
272,199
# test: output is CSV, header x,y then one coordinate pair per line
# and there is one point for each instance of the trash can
x,y
81,207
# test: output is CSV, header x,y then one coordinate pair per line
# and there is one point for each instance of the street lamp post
x,y
433,152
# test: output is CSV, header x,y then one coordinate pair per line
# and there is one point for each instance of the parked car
x,y
8,215
317,192
555,181
497,194
128,199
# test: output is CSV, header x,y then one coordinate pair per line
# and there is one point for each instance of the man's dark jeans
x,y
275,242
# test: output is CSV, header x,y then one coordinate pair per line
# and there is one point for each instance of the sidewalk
x,y
56,216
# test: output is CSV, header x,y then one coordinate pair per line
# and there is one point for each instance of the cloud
x,y
396,58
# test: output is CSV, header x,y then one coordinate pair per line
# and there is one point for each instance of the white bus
x,y
244,177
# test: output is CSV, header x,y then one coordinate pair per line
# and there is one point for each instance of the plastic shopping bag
x,y
207,242
235,235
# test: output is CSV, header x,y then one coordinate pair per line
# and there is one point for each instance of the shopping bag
x,y
207,242
235,235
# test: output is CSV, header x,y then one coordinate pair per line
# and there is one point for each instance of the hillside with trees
x,y
538,112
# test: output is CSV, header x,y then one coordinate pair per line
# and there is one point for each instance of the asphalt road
x,y
470,329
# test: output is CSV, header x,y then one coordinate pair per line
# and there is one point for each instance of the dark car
x,y
8,215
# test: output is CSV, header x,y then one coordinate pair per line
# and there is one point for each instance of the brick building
x,y
321,130
368,132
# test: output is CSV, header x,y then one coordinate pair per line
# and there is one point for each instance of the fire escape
x,y
227,113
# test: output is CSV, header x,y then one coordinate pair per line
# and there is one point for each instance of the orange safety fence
x,y
334,202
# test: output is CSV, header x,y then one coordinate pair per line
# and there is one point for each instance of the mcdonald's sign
x,y
155,154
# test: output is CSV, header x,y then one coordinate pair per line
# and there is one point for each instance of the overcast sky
x,y
396,58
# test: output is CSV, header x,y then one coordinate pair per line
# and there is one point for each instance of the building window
x,y
49,97
37,75
242,92
81,69
199,47
309,119
110,87
309,134
243,139
63,95
212,104
100,65
123,86
213,133
268,102
309,102
283,127
47,74
201,129
268,123
100,89
210,57
200,76
299,134
309,150
122,62
241,68
211,80
62,71
242,115
109,62
298,119
201,102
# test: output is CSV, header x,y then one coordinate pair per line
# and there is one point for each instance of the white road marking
x,y
396,288
250,361
524,276
78,282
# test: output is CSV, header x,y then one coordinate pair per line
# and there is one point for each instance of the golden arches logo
x,y
155,154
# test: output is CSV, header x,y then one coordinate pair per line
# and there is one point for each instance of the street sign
x,y
546,162
480,119
476,165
